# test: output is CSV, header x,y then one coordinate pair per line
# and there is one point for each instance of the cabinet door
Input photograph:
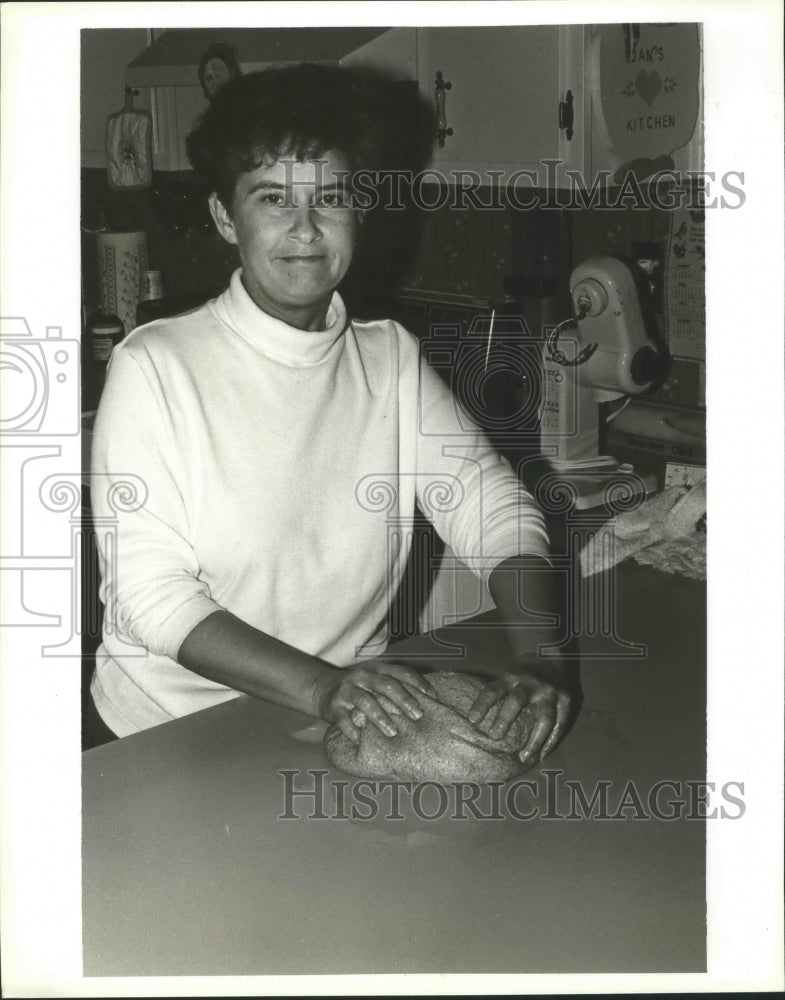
x,y
505,84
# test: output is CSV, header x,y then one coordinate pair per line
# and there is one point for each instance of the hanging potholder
x,y
129,155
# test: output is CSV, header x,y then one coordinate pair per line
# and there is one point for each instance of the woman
x,y
261,425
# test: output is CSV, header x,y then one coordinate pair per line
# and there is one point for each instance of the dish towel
x,y
668,531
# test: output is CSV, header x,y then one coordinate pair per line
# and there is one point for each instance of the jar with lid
x,y
104,333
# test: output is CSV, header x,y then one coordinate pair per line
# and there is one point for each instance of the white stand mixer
x,y
611,356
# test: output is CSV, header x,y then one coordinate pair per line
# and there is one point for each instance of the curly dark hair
x,y
300,111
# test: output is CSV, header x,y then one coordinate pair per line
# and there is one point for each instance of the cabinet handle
x,y
441,120
566,115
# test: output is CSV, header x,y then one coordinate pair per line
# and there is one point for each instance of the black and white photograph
x,y
391,438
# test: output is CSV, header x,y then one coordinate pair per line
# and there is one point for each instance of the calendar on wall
x,y
685,284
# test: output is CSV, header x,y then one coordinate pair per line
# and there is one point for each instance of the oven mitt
x,y
129,156
442,746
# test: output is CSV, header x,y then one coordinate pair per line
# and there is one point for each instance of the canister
x,y
104,332
152,286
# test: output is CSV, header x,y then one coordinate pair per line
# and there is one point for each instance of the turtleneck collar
x,y
274,338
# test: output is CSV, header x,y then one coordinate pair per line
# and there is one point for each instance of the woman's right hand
x,y
373,691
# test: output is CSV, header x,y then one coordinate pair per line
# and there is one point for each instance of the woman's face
x,y
295,233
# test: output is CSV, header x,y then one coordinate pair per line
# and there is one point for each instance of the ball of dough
x,y
442,746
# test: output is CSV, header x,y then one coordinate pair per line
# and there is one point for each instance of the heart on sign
x,y
648,85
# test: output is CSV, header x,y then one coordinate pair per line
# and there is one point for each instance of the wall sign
x,y
646,80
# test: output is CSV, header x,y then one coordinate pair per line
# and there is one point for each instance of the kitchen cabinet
x,y
507,98
503,105
504,86
169,81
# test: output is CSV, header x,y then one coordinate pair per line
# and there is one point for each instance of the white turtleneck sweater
x,y
279,470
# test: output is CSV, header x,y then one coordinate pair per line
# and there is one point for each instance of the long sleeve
x,y
256,447
236,425
150,586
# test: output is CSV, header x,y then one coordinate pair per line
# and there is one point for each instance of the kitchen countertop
x,y
188,868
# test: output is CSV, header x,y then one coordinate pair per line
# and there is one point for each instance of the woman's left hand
x,y
538,686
